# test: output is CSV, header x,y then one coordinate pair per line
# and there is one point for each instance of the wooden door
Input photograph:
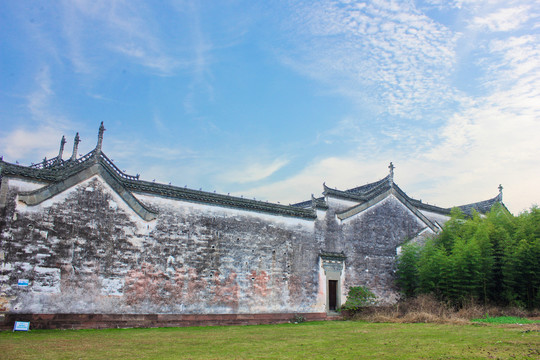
x,y
332,294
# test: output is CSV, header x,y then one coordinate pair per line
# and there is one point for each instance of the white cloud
x,y
20,143
382,52
123,27
38,100
388,56
497,136
490,139
42,103
254,171
340,172
502,19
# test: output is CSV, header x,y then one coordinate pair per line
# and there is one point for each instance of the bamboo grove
x,y
492,259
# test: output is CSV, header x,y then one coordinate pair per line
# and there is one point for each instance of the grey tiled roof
x,y
481,206
361,193
368,187
316,203
53,172
367,192
303,204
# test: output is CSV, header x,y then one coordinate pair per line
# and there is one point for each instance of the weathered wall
x,y
369,241
85,252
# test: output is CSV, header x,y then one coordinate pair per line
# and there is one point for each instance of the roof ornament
x,y
100,137
500,192
391,174
62,143
75,147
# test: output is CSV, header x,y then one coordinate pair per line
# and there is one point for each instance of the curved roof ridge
x,y
361,193
421,205
211,198
390,190
367,187
482,207
303,204
57,174
37,196
344,195
382,186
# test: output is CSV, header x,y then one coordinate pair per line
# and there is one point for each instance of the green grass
x,y
312,340
506,320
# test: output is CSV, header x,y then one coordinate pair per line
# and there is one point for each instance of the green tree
x,y
452,229
485,259
433,274
492,258
407,269
465,271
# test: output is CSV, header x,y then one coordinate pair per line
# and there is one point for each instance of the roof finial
x,y
62,143
391,175
75,146
100,137
500,192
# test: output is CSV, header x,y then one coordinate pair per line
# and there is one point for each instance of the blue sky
x,y
271,99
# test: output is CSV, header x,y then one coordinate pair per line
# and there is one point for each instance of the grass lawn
x,y
314,340
506,320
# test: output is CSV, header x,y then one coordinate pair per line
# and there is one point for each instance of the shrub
x,y
358,297
297,319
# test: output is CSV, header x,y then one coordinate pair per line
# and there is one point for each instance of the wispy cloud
x,y
341,172
391,53
42,133
396,61
38,100
41,102
496,135
381,52
123,27
200,55
21,143
505,19
255,171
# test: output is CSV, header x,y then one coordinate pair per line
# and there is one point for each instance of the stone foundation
x,y
106,321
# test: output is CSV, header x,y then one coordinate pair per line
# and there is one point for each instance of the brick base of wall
x,y
104,321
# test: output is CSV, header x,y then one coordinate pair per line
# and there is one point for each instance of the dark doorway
x,y
332,295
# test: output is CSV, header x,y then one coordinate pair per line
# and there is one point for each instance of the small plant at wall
x,y
358,297
297,319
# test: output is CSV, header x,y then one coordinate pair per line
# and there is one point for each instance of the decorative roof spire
x,y
75,146
62,143
391,174
500,192
100,137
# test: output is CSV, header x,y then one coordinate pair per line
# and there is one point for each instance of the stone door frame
x,y
334,266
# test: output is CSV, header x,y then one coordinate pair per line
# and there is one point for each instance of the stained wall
x,y
86,251
369,241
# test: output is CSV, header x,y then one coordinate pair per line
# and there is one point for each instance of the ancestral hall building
x,y
80,237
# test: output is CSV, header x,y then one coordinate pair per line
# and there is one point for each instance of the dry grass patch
x,y
427,309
